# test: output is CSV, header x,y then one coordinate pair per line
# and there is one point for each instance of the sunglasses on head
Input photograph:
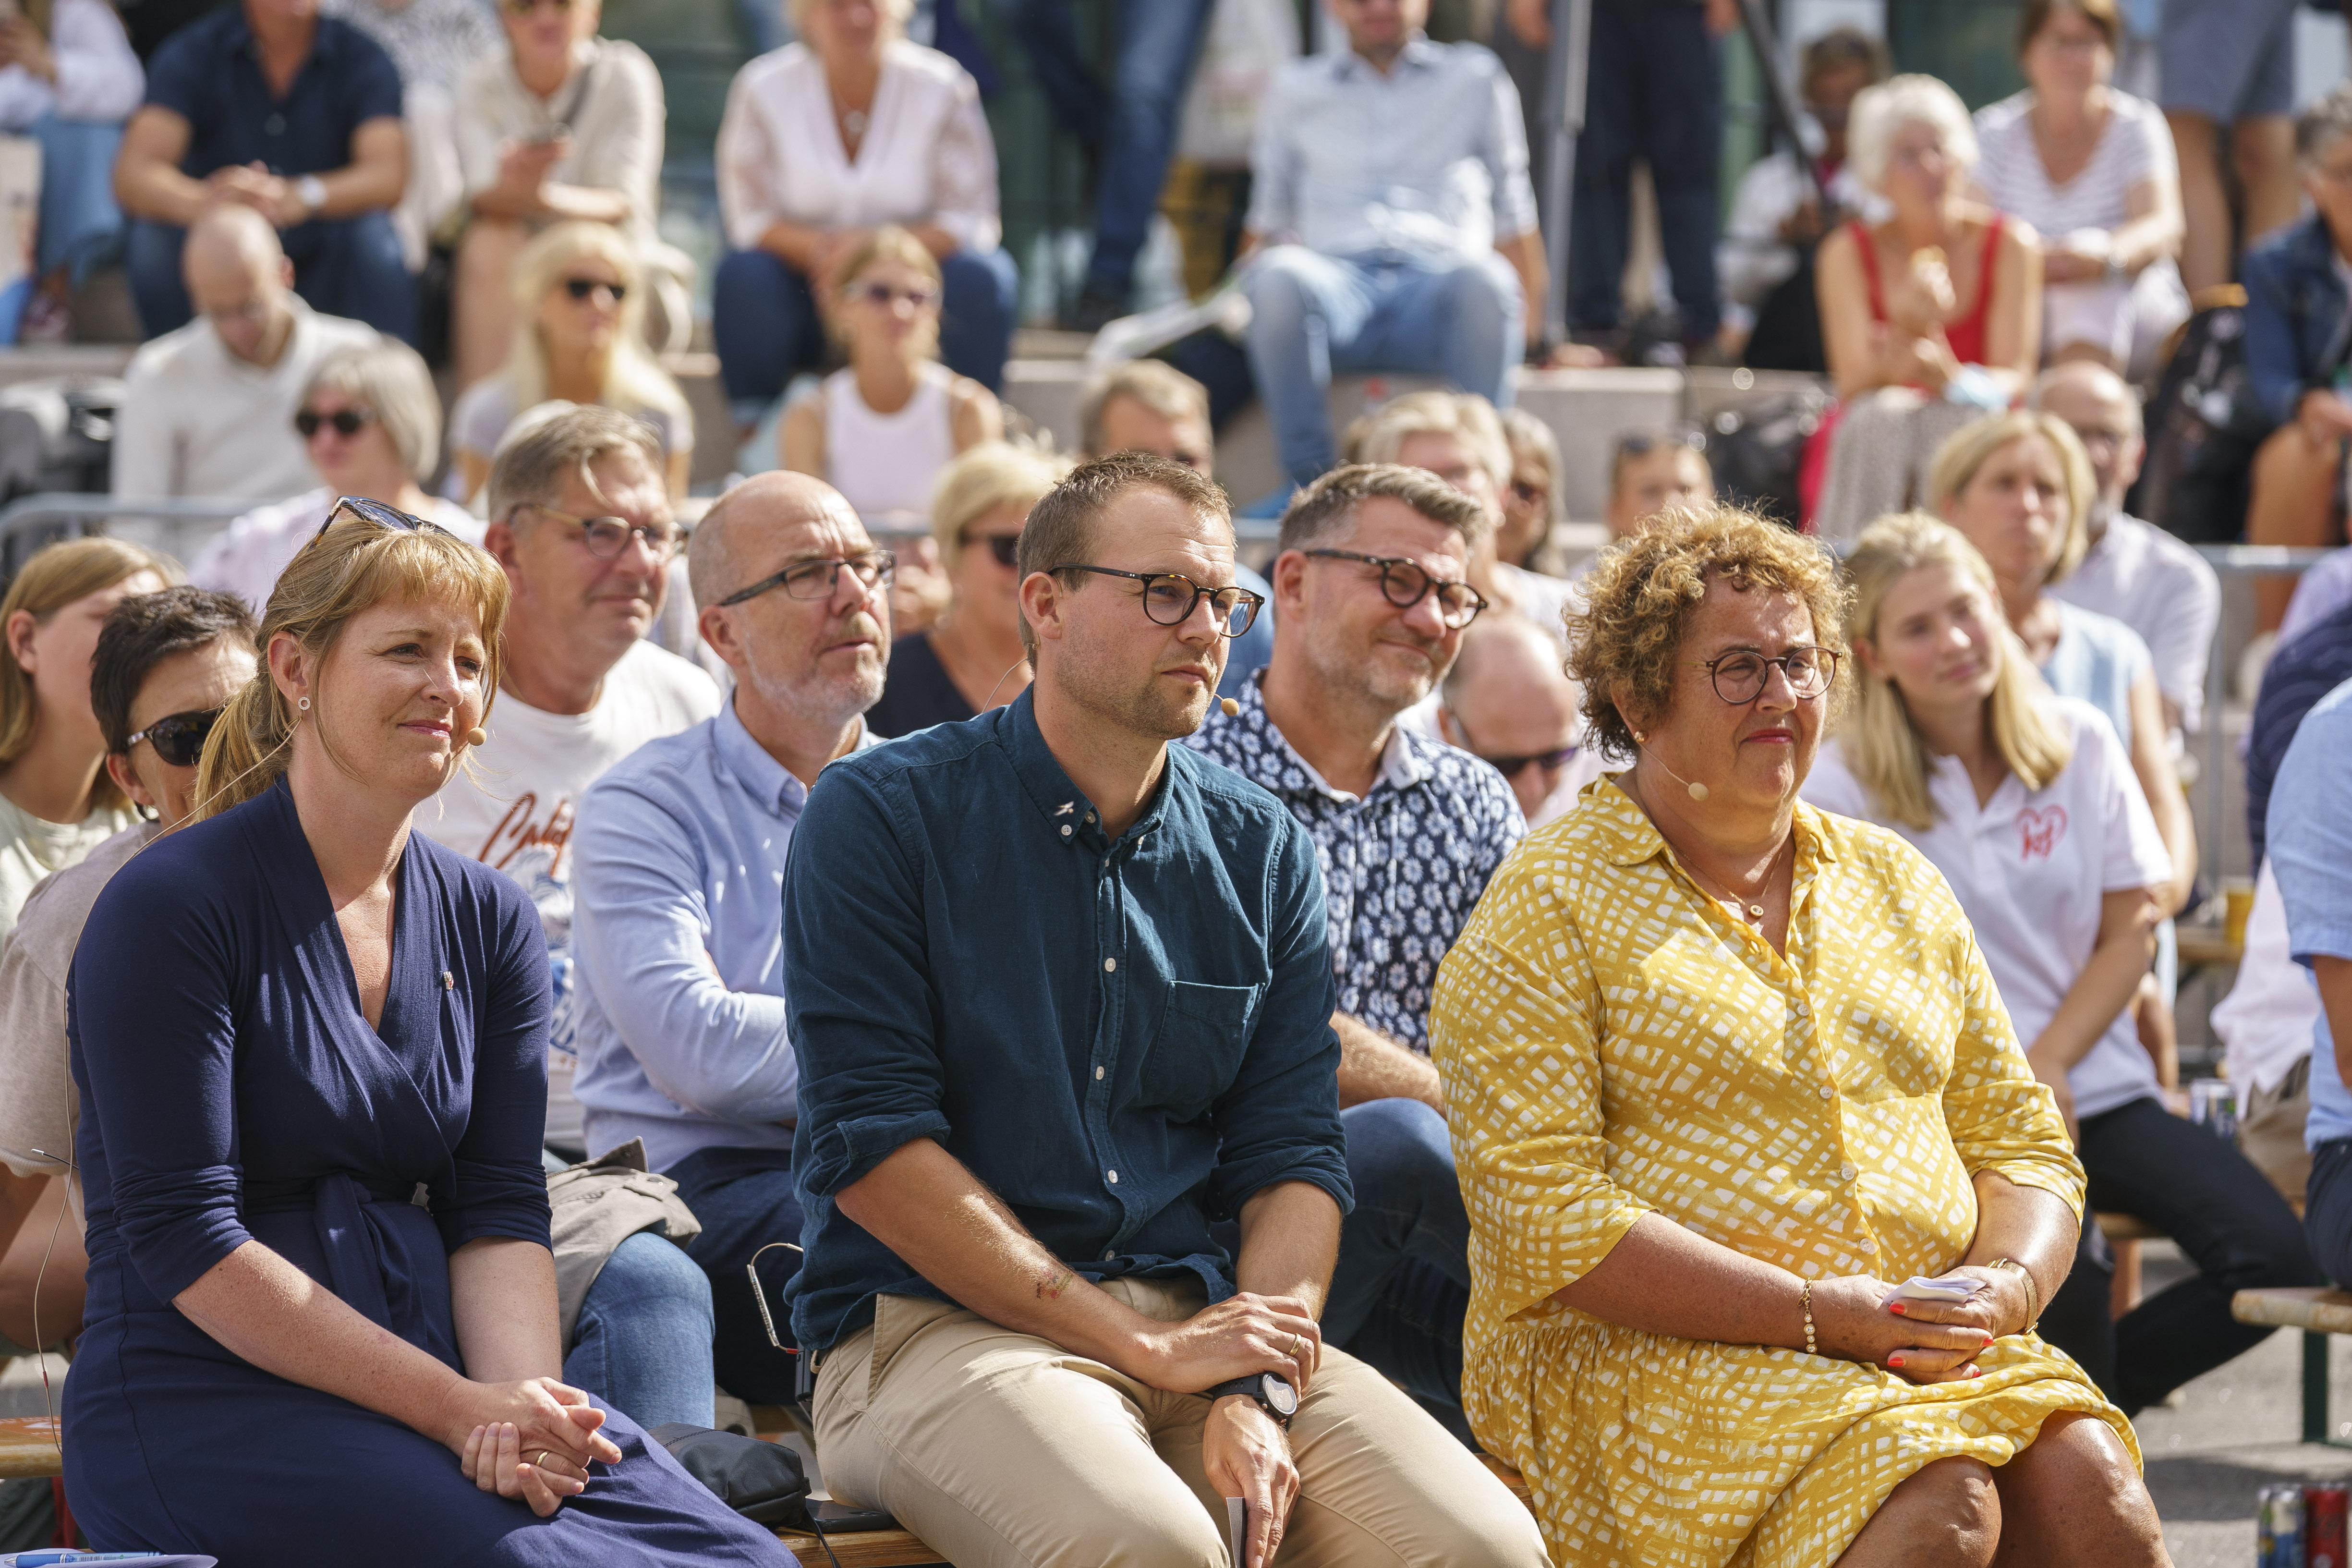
x,y
1005,547
377,515
179,737
346,422
581,288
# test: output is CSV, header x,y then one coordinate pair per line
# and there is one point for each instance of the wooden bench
x,y
2318,1313
28,1448
2124,1232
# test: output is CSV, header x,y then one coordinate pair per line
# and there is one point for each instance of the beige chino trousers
x,y
1003,1450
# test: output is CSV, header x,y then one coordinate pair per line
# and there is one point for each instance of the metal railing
x,y
26,518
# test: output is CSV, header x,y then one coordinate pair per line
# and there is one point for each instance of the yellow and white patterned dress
x,y
1612,1044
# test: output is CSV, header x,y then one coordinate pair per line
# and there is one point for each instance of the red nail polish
x,y
1894,1360
1896,1307
1976,1372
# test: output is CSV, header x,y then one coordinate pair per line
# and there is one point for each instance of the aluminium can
x,y
2213,1105
2278,1527
2323,1525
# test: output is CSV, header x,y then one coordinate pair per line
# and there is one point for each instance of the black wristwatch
x,y
1270,1389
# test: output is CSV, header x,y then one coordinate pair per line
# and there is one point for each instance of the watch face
x,y
1279,1395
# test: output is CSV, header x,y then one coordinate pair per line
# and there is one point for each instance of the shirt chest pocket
x,y
1197,1050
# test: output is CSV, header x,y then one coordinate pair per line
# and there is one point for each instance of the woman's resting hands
x,y
1856,1318
531,1439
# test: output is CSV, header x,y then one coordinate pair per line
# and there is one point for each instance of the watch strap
x,y
1247,1388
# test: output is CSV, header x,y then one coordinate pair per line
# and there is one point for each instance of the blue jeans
x,y
1133,120
1311,314
1403,1277
643,1342
343,267
1655,93
766,323
81,227
744,1199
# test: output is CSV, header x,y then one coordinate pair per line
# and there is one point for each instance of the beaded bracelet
x,y
1805,1304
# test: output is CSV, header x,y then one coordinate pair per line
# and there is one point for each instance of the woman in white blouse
x,y
2092,170
824,141
2027,804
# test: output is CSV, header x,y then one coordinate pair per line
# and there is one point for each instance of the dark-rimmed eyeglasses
x,y
1510,767
344,421
1739,677
606,537
1170,598
1405,583
883,296
1005,547
377,515
178,738
822,578
581,288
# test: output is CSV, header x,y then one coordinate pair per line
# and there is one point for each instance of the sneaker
x,y
47,319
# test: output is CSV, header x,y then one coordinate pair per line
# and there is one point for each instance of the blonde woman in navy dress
x,y
311,1048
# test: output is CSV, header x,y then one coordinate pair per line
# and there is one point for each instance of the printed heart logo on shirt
x,y
2040,829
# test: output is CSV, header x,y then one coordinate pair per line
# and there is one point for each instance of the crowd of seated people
x,y
69,80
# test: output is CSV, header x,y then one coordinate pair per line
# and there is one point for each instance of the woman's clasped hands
x,y
1858,1319
531,1439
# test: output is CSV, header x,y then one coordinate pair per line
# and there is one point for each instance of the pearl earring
x,y
303,704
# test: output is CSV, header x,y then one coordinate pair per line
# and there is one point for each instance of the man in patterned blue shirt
x,y
1370,608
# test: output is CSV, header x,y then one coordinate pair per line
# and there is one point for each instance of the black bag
x,y
762,1481
1756,454
2204,426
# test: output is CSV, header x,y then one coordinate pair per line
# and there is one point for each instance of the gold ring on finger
x,y
1296,1342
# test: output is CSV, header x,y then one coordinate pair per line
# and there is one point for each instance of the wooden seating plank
x,y
2316,1310
28,1448
2127,1228
860,1549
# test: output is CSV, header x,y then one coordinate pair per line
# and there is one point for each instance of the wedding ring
x,y
538,1460
1295,1342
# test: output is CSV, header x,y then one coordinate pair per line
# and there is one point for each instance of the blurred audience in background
x,y
971,658
1509,701
69,80
271,106
2227,73
1930,318
2092,168
1653,471
880,429
432,43
561,126
578,338
1391,225
1534,505
208,408
825,139
372,423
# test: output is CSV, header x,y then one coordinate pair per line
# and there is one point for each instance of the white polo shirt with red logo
x,y
2031,870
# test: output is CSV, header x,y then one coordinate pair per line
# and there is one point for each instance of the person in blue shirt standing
x,y
1398,227
2310,846
290,113
676,854
1061,997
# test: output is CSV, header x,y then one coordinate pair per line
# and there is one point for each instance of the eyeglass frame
x,y
357,415
636,530
1430,584
1225,628
996,542
183,719
380,515
1764,680
1553,761
882,576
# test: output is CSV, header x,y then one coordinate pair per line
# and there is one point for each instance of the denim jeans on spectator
x,y
765,321
1132,120
1656,94
1311,315
80,225
343,267
1403,1277
643,1340
2225,1216
2327,1208
744,1199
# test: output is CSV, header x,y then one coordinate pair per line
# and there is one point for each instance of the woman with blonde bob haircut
x,y
2025,802
58,802
318,1223
580,299
1722,1071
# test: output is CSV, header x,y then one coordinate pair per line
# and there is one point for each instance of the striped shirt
x,y
2136,147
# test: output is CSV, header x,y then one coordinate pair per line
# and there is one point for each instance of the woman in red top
x,y
1929,319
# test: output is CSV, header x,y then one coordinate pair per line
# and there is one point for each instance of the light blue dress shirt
x,y
2310,833
678,863
1431,159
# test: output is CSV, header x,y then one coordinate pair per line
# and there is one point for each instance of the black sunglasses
x,y
178,738
1005,547
344,421
377,514
581,287
1553,761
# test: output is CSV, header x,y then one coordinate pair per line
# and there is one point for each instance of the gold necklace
x,y
1753,912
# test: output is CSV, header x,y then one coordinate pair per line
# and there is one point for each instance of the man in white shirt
x,y
2135,571
580,518
208,409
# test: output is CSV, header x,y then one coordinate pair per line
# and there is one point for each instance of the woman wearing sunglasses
x,y
58,802
971,658
322,1306
2027,804
1722,1071
370,423
579,337
880,429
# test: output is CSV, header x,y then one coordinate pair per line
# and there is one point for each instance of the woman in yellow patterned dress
x,y
1721,1071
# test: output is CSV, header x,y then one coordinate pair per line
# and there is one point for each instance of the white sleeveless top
x,y
887,462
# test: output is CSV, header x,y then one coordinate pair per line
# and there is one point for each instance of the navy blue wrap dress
x,y
232,1089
